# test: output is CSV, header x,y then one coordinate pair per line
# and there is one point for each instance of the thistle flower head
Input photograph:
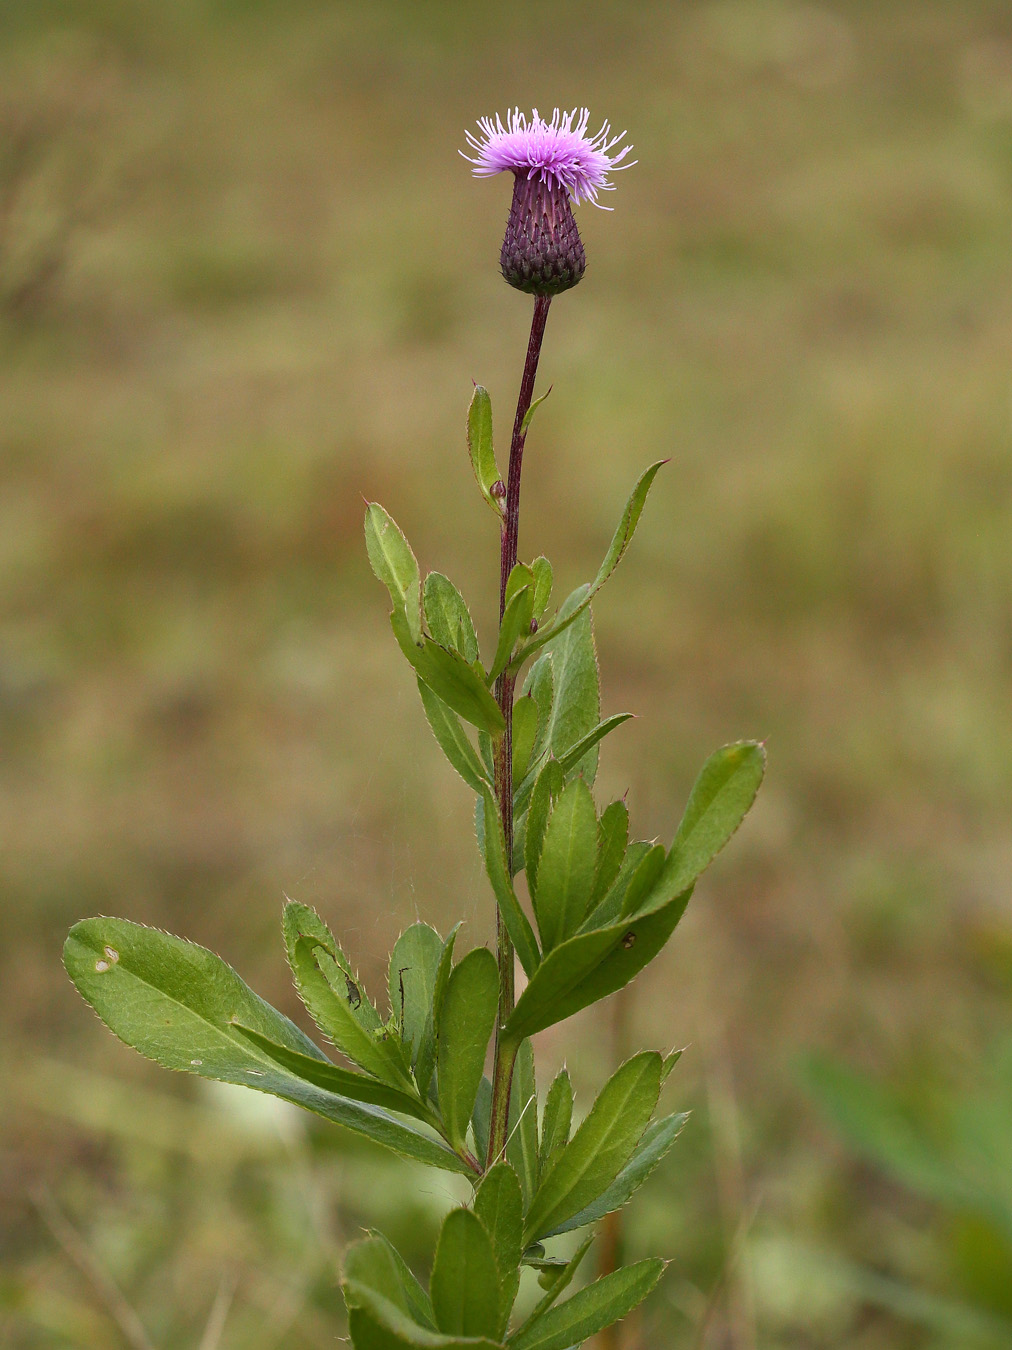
x,y
555,165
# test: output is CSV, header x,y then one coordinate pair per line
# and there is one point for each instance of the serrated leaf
x,y
543,577
466,1021
498,1203
612,843
525,731
179,1004
493,848
565,872
592,965
414,962
657,1140
515,624
558,1119
722,794
592,1309
427,1050
480,446
332,1078
448,617
452,739
394,564
522,1137
465,1280
600,1148
336,998
546,790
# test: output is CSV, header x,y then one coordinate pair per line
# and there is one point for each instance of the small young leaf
x,y
546,791
499,1204
600,1148
516,623
542,570
529,414
427,1050
465,1280
448,617
657,1140
493,847
558,1118
612,843
412,982
722,794
466,1021
525,731
565,873
591,1309
479,443
522,1139
452,739
179,1004
394,564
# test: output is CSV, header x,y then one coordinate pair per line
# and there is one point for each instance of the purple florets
x,y
556,152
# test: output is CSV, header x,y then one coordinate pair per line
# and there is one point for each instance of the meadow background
x,y
245,279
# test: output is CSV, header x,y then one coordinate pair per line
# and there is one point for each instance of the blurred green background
x,y
245,279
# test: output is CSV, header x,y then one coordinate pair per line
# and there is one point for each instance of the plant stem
x,y
506,1050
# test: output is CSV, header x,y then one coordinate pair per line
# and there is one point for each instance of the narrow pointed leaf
x,y
546,791
466,1021
394,564
426,1064
600,1148
657,1140
448,617
558,1119
479,444
643,882
565,874
525,731
453,739
178,1003
718,803
522,1139
592,1309
414,962
612,843
499,1205
493,847
465,1280
529,414
571,758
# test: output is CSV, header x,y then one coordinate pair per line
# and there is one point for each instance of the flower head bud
x,y
555,165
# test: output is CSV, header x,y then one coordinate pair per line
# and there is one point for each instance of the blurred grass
x,y
245,279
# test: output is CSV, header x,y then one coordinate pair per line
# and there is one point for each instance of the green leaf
x,y
609,909
321,1073
542,570
563,1278
375,1264
529,414
416,1299
395,565
600,1148
722,794
656,1142
448,617
459,686
414,962
499,1205
522,1139
465,1280
525,731
427,1051
479,443
558,1119
643,882
452,739
578,601
179,1004
612,843
591,1309
591,966
577,706
516,620
546,790
466,1022
493,848
337,1000
540,684
573,757
565,873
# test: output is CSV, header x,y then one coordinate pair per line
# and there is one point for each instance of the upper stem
x,y
505,1051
